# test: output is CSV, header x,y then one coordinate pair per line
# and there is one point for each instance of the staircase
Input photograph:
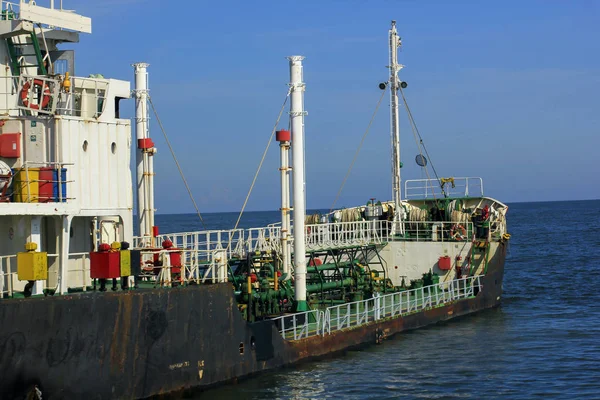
x,y
16,51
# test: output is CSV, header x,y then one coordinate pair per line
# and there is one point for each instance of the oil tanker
x,y
88,310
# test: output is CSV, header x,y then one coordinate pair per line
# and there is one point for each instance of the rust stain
x,y
136,348
121,334
114,340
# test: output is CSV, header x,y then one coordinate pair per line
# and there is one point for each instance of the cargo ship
x,y
88,310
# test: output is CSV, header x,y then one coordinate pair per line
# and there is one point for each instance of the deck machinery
x,y
334,276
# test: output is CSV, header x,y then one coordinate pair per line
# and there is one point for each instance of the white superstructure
x,y
67,148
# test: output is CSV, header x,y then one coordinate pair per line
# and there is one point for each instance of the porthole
x,y
113,148
85,145
241,348
252,343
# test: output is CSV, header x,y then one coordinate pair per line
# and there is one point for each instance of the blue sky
x,y
503,90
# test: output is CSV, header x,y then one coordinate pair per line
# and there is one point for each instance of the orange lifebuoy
x,y
458,232
45,94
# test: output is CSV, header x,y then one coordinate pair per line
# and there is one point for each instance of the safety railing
x,y
430,231
14,7
443,187
9,88
302,325
40,182
338,234
8,269
38,93
239,243
232,241
10,10
198,266
78,272
86,97
264,239
236,243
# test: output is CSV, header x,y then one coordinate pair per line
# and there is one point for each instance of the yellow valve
x,y
30,246
115,245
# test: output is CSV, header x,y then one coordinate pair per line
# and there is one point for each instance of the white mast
x,y
145,151
395,42
297,114
284,138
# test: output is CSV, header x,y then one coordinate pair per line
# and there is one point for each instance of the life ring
x,y
45,94
458,232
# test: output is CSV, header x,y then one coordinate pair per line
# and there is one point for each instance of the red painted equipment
x,y
145,143
10,145
445,263
104,263
46,189
174,258
283,136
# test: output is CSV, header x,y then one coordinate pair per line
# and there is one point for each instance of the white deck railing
x,y
312,323
78,272
238,243
340,234
8,268
432,188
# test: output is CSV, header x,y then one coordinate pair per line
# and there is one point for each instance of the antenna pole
x,y
395,43
297,114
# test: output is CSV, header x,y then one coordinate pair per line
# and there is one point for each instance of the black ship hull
x,y
151,343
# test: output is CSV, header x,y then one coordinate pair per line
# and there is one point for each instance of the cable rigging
x,y
176,162
357,152
263,158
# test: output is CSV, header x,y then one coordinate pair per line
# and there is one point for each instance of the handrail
x,y
8,271
240,242
313,323
433,188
